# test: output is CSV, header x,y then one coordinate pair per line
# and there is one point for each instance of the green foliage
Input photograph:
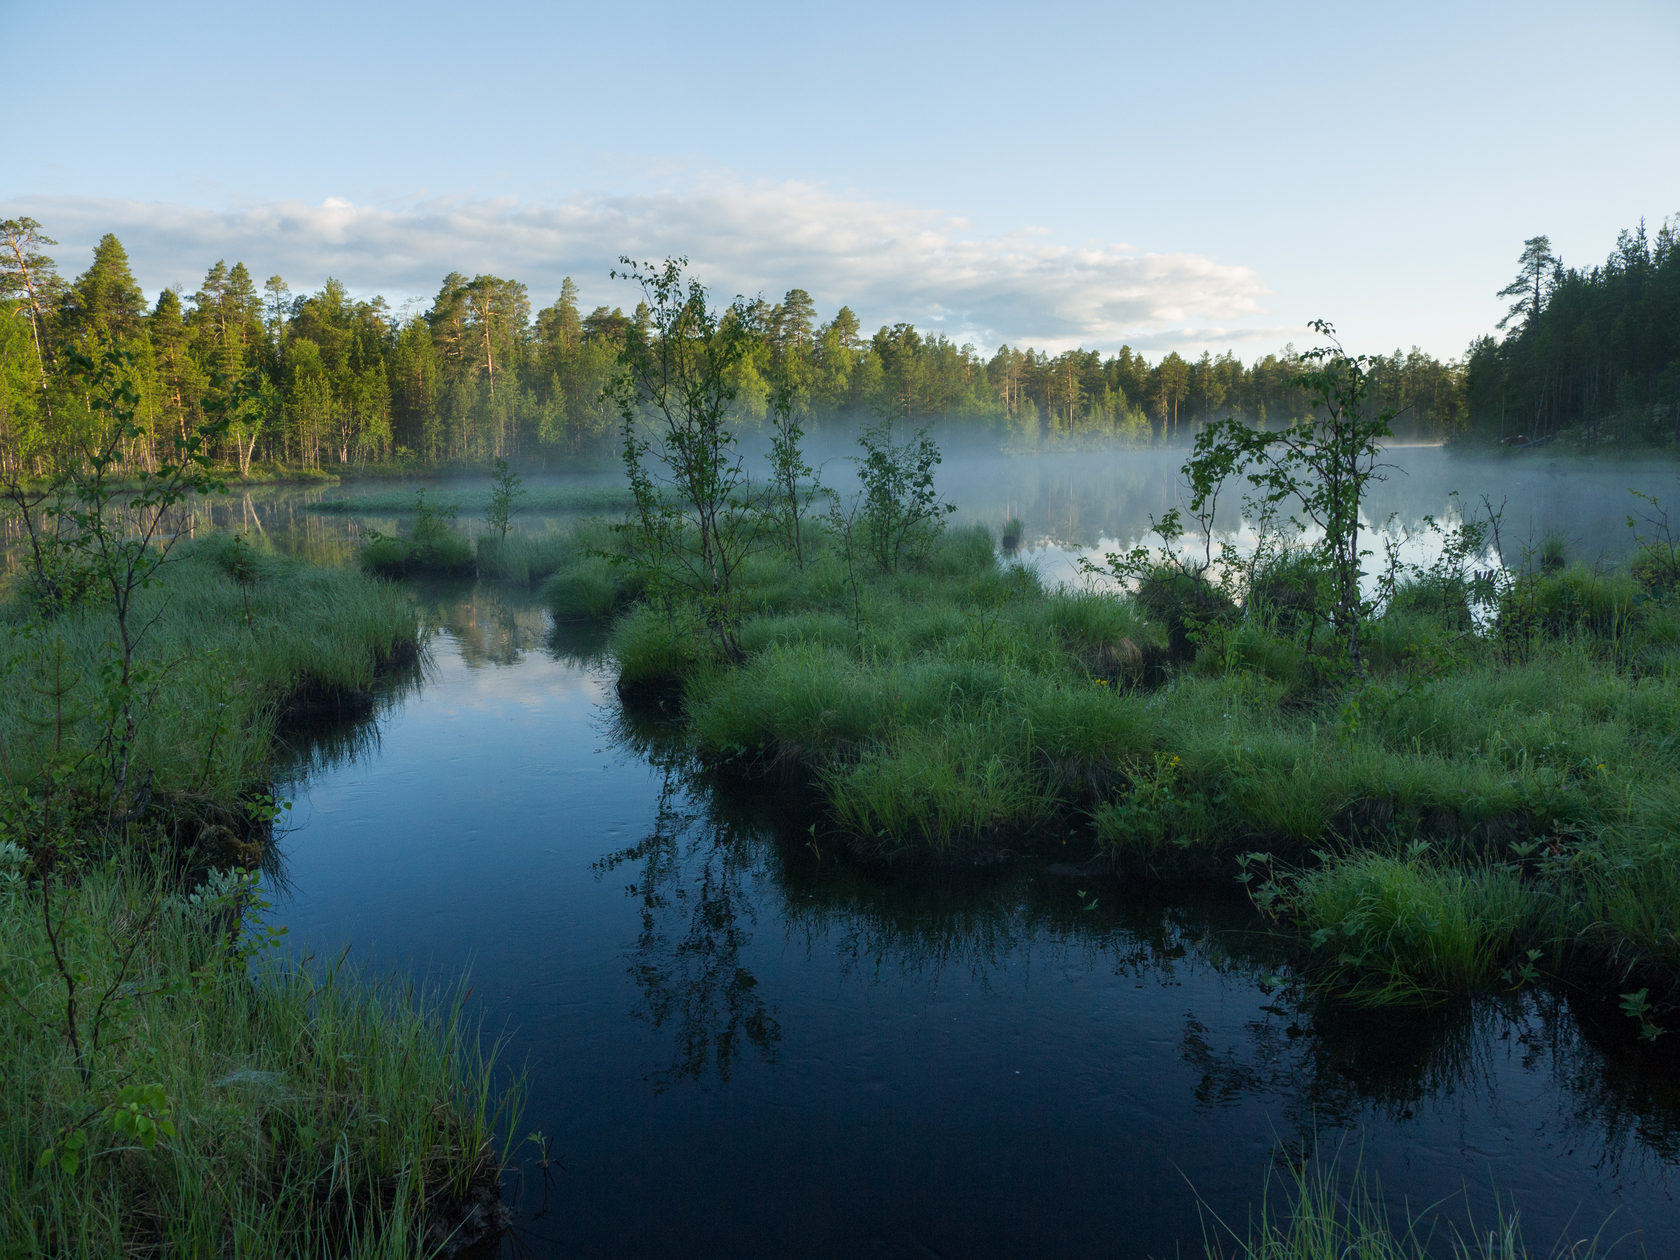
x,y
1318,1210
691,528
1594,356
324,380
792,479
136,758
964,712
526,558
1656,557
247,1105
1388,931
1319,468
431,545
504,496
1568,601
1184,602
589,586
901,513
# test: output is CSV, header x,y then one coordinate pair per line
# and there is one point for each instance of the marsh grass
x,y
236,638
1320,1209
469,500
431,546
288,1111
958,713
1401,930
316,1110
526,558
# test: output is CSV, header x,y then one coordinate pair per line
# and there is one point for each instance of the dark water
x,y
739,1046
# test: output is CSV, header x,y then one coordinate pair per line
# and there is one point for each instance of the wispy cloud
x,y
889,262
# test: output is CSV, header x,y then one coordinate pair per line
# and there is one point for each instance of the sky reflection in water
x,y
739,1046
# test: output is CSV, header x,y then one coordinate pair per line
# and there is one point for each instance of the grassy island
x,y
1483,804
1443,777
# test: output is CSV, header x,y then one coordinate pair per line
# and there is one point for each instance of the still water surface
x,y
739,1046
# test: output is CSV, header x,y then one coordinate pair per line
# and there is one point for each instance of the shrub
x,y
1184,603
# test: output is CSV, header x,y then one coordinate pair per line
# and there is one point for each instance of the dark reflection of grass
x,y
331,739
715,864
1330,1067
1625,1090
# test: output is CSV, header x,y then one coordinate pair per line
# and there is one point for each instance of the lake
x,y
737,1044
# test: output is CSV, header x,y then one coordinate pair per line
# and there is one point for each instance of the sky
x,y
1180,176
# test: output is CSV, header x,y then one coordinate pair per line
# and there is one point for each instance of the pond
x,y
736,1044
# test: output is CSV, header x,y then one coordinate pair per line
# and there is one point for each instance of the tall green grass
x,y
298,1111
1319,1210
235,638
315,1110
961,712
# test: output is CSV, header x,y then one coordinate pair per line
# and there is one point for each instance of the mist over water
x,y
1085,504
738,1045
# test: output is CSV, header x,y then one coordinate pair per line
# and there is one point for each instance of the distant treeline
x,y
1594,351
319,380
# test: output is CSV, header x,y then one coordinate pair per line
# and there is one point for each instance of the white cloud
x,y
889,262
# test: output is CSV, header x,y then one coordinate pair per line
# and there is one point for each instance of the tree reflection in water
x,y
1334,1068
710,869
697,916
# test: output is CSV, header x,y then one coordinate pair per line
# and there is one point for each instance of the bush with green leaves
x,y
901,512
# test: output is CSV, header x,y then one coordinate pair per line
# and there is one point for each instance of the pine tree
x,y
1534,269
30,276
104,303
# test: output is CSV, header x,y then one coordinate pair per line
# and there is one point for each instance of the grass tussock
x,y
1494,795
236,639
1315,1209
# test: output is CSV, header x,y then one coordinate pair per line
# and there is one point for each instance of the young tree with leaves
x,y
692,527
1320,466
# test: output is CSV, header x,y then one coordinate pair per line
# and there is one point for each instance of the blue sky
x,y
1173,176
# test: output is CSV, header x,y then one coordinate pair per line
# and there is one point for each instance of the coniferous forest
x,y
323,381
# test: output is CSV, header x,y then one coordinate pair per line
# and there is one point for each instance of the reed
x,y
1316,1208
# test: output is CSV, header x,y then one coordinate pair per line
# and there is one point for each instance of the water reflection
x,y
691,880
937,1065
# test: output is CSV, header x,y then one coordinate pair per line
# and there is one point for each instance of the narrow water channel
x,y
736,1045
